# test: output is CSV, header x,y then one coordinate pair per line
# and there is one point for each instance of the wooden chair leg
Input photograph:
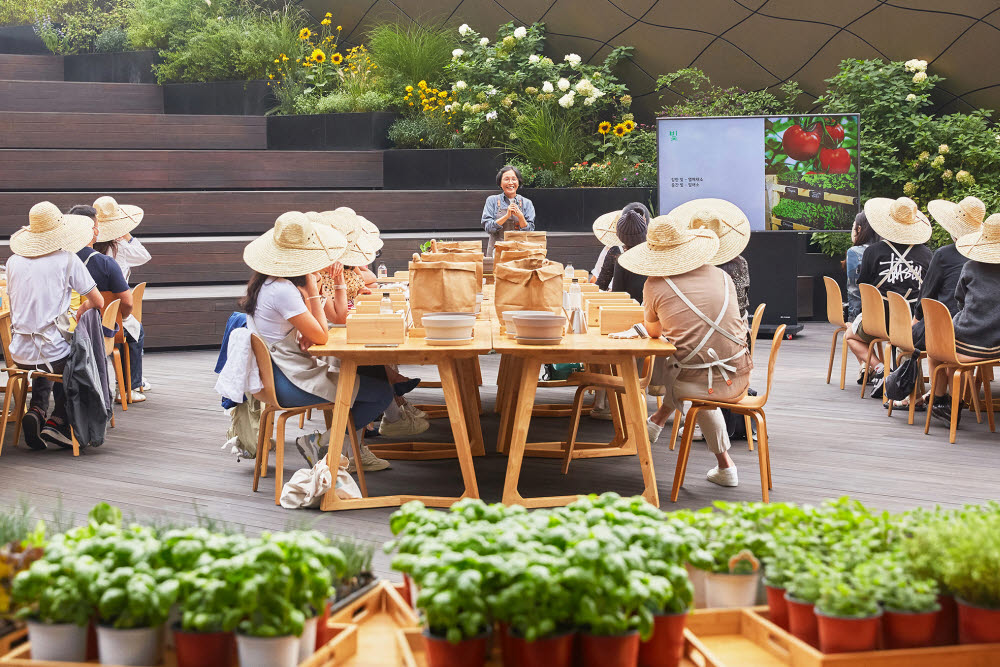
x,y
352,433
914,395
930,404
22,401
279,456
268,427
12,382
956,402
763,445
76,445
763,464
128,367
972,386
675,428
574,425
302,420
258,464
988,397
833,353
682,454
868,362
843,360
117,357
746,422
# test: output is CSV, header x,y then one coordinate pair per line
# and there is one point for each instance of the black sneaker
x,y
57,434
877,385
941,410
31,425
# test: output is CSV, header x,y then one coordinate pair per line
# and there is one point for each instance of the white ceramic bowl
x,y
539,325
448,326
508,318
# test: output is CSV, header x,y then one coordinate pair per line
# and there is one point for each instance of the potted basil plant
x,y
911,611
54,600
801,593
670,605
848,614
209,614
452,602
133,604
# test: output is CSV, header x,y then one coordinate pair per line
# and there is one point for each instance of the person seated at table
x,y
693,305
508,210
862,236
41,275
285,308
607,260
977,323
631,231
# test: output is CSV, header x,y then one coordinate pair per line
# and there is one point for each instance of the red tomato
x,y
835,132
835,160
799,144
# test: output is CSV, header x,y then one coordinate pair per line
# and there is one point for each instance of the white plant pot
x,y
63,642
697,577
268,651
139,647
731,590
307,640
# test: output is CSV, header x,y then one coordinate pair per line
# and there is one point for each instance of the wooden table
x,y
456,366
587,348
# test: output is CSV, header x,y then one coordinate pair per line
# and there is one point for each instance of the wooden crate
x,y
746,638
614,318
376,329
593,307
395,296
12,640
377,616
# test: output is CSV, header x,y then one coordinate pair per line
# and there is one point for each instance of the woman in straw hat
x,y
41,275
693,304
285,308
897,263
116,222
362,248
977,323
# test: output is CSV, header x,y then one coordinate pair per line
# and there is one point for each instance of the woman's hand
x,y
514,210
310,288
336,271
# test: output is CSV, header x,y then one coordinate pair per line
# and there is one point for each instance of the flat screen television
x,y
785,172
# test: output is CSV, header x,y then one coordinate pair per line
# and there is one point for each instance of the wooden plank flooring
x,y
164,461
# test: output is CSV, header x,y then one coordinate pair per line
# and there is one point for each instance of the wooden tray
x,y
13,639
377,616
746,638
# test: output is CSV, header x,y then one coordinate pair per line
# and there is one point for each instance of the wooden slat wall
x,y
132,131
71,96
186,322
30,68
128,169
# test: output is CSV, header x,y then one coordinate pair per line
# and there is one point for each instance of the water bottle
x,y
383,272
385,307
575,300
569,272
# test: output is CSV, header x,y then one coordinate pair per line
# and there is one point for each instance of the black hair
x,y
83,209
865,233
249,302
103,247
509,167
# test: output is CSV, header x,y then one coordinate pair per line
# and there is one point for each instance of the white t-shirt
x,y
277,302
600,261
39,290
130,253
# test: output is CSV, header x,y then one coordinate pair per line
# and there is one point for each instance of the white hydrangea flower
x,y
566,101
584,87
464,29
547,87
915,65
491,91
491,116
460,85
457,53
563,84
573,59
911,98
483,41
965,177
943,149
919,77
520,33
547,61
447,108
588,101
533,58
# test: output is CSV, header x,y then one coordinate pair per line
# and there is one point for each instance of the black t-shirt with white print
x,y
892,267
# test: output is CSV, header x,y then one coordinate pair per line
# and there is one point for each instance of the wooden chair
x,y
269,399
901,345
873,322
125,388
758,318
750,406
939,335
835,314
18,378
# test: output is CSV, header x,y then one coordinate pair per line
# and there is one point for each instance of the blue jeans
x,y
135,357
374,396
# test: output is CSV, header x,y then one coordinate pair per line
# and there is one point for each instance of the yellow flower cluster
x,y
619,130
433,102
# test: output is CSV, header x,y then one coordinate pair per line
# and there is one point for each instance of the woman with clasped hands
x,y
507,210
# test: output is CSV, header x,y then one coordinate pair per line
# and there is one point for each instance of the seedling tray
x,y
376,617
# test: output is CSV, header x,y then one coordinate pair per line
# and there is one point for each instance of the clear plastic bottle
x,y
383,272
568,274
575,300
385,307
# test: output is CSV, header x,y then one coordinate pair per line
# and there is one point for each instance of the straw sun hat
x,y
49,230
294,247
724,218
958,219
671,248
366,225
982,245
605,228
115,220
898,220
361,246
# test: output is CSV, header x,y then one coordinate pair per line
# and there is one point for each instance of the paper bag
x,y
509,250
441,287
530,237
451,256
529,284
459,246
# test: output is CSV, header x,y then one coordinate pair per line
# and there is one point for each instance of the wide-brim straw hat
x,y
49,230
605,228
959,219
294,247
362,247
898,220
115,220
725,218
982,245
671,248
366,224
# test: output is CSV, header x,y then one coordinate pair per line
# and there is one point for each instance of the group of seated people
x,y
889,253
60,265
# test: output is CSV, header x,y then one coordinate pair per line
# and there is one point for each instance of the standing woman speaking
x,y
507,211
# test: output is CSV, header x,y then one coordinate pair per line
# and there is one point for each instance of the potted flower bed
x,y
331,131
440,168
124,67
232,98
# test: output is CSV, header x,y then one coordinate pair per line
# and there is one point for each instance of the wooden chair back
x,y
137,293
873,311
758,317
834,302
109,319
900,323
779,335
939,332
6,335
266,395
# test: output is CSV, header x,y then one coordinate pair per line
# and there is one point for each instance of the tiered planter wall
x,y
357,131
441,169
231,98
128,67
22,40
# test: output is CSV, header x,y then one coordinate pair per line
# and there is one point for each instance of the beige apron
x,y
52,331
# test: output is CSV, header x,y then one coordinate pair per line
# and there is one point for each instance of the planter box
x,y
563,209
22,40
440,169
230,98
332,131
127,67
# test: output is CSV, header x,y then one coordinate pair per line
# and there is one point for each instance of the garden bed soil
x,y
364,584
332,131
127,67
440,169
230,98
22,40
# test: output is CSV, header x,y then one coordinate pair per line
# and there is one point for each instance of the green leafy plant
x,y
699,97
79,28
846,596
134,596
411,52
55,591
817,216
546,138
112,40
833,244
24,12
909,594
159,24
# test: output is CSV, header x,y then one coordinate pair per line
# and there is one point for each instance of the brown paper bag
x,y
520,250
460,246
530,237
450,256
442,287
529,284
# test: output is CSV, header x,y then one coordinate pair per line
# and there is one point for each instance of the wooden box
x,y
374,307
376,329
614,318
376,296
377,617
593,307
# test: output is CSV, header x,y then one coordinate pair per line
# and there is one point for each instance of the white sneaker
x,y
406,425
413,411
369,462
135,397
145,386
654,431
604,413
724,476
697,433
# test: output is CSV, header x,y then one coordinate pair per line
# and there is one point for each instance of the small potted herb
x,y
54,600
133,604
209,614
665,648
971,570
911,611
779,569
612,605
802,590
848,614
454,608
736,586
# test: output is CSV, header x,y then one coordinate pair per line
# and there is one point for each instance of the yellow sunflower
x,y
329,15
409,89
336,58
629,125
325,22
620,130
305,33
604,127
318,56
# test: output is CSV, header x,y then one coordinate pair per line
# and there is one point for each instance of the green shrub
x,y
543,137
82,24
342,102
407,53
112,40
24,12
423,132
157,24
701,98
833,244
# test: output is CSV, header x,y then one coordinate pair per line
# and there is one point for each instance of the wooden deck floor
x,y
164,461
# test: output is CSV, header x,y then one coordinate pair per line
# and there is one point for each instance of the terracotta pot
x,y
323,633
977,625
848,635
777,606
467,653
666,647
506,650
204,649
609,650
547,652
907,629
946,631
406,593
802,620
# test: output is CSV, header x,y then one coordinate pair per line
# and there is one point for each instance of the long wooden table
x,y
457,369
